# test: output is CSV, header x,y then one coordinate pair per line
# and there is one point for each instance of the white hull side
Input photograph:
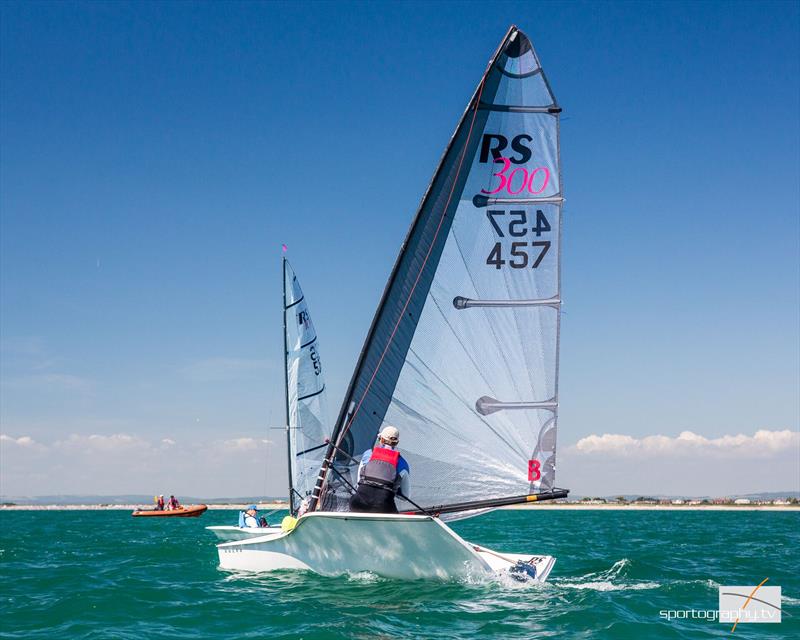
x,y
230,533
394,546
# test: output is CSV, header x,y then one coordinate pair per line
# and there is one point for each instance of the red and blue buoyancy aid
x,y
381,469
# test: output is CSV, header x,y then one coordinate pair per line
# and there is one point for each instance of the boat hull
x,y
230,533
394,546
192,511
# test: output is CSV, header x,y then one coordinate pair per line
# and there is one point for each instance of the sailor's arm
x,y
405,483
364,459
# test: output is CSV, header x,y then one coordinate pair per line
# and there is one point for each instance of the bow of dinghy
x,y
394,546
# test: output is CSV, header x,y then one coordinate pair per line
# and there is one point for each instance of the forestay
x,y
462,355
307,419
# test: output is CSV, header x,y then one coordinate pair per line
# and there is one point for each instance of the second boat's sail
x,y
462,355
306,405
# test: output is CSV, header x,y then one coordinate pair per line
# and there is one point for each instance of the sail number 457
x,y
517,226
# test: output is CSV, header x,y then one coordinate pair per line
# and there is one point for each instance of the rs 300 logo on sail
x,y
518,179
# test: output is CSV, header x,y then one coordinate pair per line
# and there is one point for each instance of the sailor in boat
x,y
382,474
173,504
160,503
249,517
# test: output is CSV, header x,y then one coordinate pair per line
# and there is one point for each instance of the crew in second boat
x,y
382,474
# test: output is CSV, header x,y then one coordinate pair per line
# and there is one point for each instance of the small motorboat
x,y
231,533
190,511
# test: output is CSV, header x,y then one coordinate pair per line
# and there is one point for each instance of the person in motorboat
x,y
160,503
382,474
249,518
173,504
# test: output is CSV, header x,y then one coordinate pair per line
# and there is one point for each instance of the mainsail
x,y
462,355
306,405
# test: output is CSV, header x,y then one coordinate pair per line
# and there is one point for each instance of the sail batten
x,y
462,355
483,201
460,302
515,108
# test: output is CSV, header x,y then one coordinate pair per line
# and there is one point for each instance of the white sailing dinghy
x,y
462,355
307,425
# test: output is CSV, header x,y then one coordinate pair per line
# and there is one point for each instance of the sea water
x,y
619,574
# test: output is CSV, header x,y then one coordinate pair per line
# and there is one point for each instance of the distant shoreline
x,y
661,507
273,506
263,506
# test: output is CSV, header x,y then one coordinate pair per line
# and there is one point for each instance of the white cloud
x,y
761,443
101,443
245,444
125,462
22,441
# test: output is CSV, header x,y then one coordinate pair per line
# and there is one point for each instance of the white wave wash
x,y
605,580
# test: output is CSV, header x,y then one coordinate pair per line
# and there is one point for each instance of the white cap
x,y
390,435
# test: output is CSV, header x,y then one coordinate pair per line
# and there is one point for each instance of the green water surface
x,y
103,574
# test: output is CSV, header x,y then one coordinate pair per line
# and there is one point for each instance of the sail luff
x,y
350,406
289,465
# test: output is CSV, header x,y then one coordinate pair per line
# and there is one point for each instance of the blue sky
x,y
155,157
